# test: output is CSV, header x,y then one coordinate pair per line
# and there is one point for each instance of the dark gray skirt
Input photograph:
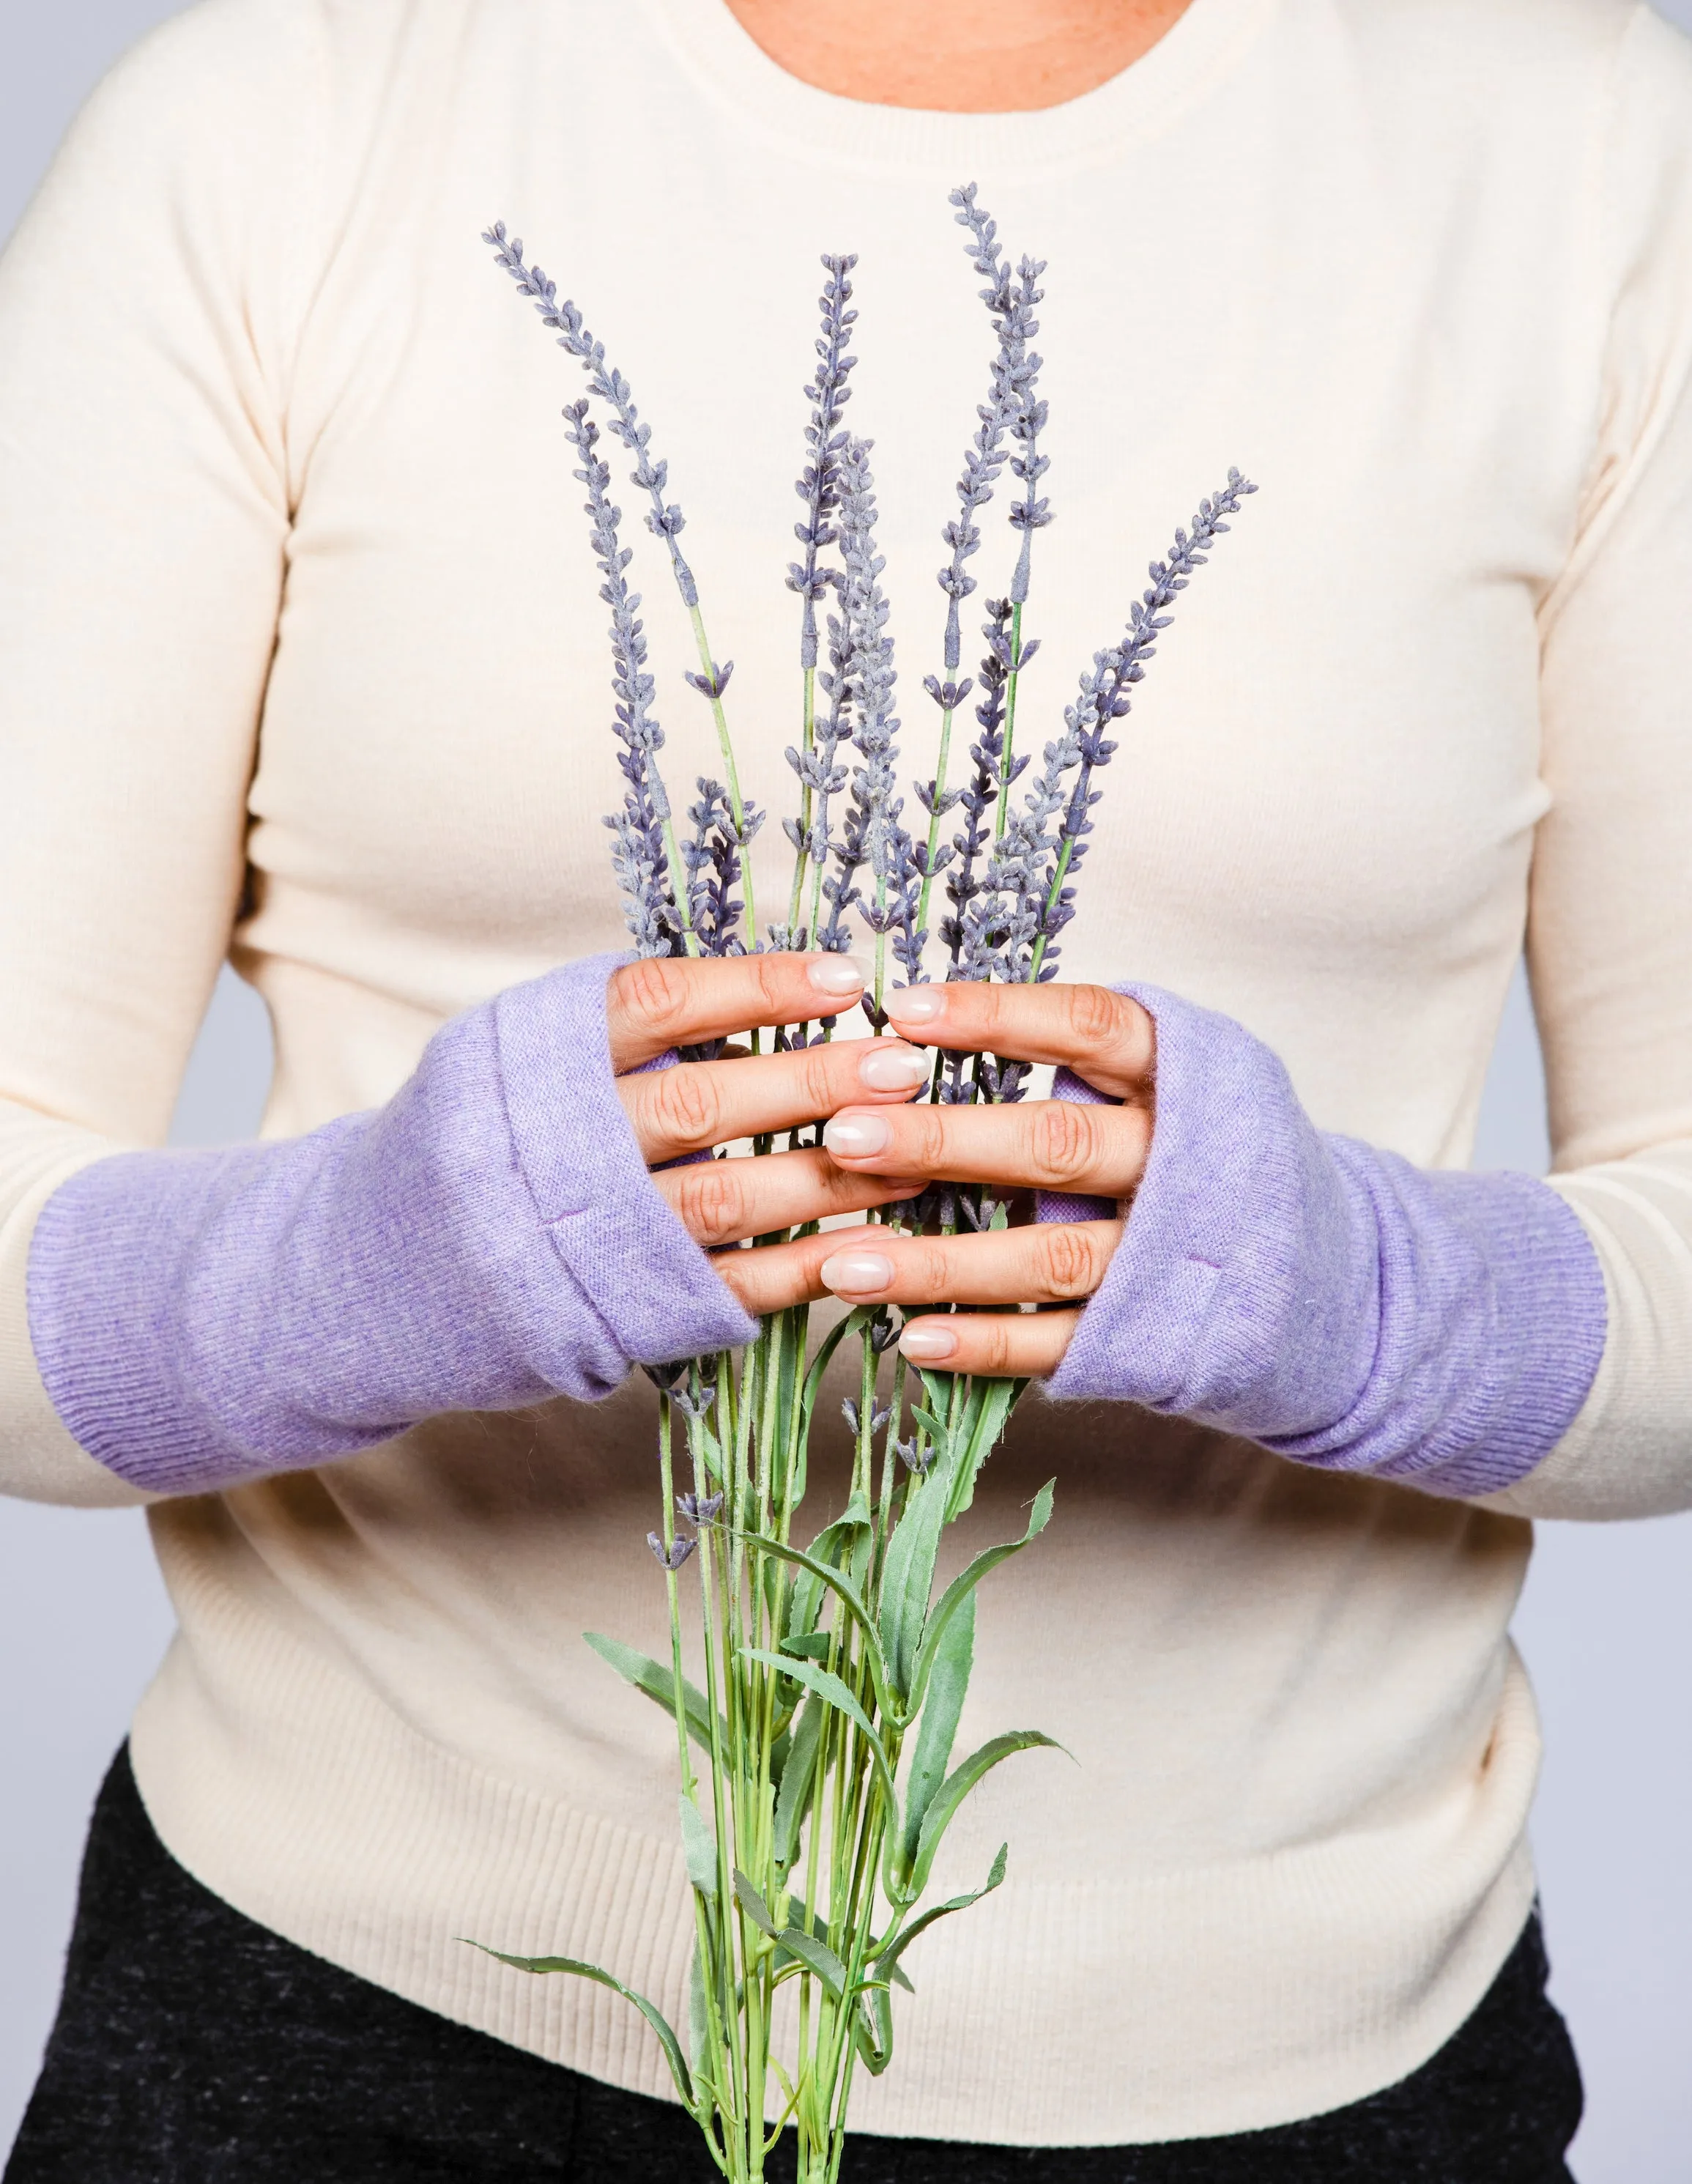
x,y
193,2046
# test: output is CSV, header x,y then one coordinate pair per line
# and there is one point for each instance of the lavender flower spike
x,y
650,873
665,520
818,487
1010,303
672,1556
878,839
1105,697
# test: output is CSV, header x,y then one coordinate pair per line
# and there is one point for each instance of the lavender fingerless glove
x,y
489,1239
1332,1302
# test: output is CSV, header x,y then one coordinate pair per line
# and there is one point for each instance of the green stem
x,y
708,669
934,818
801,855
1052,895
999,815
678,887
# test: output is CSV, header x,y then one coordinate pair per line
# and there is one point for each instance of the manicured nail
x,y
887,1068
837,974
926,1340
917,1005
857,1273
853,1135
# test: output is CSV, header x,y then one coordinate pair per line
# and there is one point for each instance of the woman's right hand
x,y
659,1004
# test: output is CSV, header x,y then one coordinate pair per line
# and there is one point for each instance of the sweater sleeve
x,y
1609,925
144,508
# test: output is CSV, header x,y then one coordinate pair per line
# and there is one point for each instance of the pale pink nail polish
x,y
917,1005
927,1341
892,1068
857,1273
837,975
854,1135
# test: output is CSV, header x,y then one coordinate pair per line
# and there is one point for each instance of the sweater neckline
x,y
727,64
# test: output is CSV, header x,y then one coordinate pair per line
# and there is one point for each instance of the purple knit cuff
x,y
490,1238
1333,1302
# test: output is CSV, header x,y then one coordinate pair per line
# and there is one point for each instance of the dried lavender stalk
x,y
877,840
1105,697
819,488
1010,924
656,913
1010,301
665,520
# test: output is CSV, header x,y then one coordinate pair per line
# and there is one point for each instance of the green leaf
x,y
815,1925
886,1962
653,2016
815,1645
908,1576
854,1322
965,1583
986,1408
872,2032
843,1590
935,1427
949,1682
798,1782
699,1848
817,1956
957,1787
807,1601
753,1904
658,1683
833,1692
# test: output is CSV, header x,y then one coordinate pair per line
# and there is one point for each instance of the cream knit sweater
x,y
299,644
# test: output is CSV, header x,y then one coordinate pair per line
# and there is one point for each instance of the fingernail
x,y
856,1135
857,1273
837,974
885,1068
927,1340
917,1005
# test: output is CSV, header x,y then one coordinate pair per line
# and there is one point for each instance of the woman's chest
x,y
1319,815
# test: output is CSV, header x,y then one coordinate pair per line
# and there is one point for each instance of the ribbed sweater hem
x,y
297,1794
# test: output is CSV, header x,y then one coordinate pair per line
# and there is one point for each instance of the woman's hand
x,y
1047,1145
660,1004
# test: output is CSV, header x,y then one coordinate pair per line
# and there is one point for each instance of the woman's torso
x,y
1286,1856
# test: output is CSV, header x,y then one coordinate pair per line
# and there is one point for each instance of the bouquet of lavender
x,y
834,1677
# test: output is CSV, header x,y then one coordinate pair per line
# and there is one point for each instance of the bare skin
x,y
881,1147
957,56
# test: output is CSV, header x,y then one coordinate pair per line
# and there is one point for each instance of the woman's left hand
x,y
1037,1144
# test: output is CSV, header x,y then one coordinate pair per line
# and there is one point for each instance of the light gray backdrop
x,y
1606,1624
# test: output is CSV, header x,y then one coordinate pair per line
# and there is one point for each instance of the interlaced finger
x,y
1104,1037
664,1001
724,1201
1037,1144
1051,1264
698,1103
1002,1346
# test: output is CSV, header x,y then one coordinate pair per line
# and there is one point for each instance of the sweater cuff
x,y
657,1292
100,1318
1551,1321
1332,1302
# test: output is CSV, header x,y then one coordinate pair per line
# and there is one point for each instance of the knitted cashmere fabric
x,y
488,1240
1334,1303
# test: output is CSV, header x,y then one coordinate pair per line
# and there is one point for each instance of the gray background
x,y
1605,1625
